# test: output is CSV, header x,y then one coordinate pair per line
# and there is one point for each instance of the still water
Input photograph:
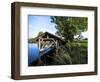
x,y
33,53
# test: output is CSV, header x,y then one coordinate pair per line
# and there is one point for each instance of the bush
x,y
71,53
78,52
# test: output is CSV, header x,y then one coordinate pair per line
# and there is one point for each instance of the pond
x,y
33,53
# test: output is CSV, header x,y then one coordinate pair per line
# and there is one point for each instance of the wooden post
x,y
47,36
39,44
56,47
42,43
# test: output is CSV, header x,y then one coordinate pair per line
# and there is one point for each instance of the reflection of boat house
x,y
49,40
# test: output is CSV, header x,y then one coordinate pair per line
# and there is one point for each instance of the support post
x,y
56,47
39,44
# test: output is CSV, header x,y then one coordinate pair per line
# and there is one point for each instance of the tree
x,y
68,27
40,33
31,40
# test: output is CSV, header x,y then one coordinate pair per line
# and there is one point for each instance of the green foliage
x,y
40,33
67,27
31,40
78,52
62,58
72,53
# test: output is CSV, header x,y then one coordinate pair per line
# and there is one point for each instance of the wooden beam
x,y
48,39
39,44
47,36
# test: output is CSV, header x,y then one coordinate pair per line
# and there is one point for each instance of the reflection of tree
x,y
68,27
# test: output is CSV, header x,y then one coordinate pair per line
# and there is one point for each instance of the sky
x,y
40,23
43,23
